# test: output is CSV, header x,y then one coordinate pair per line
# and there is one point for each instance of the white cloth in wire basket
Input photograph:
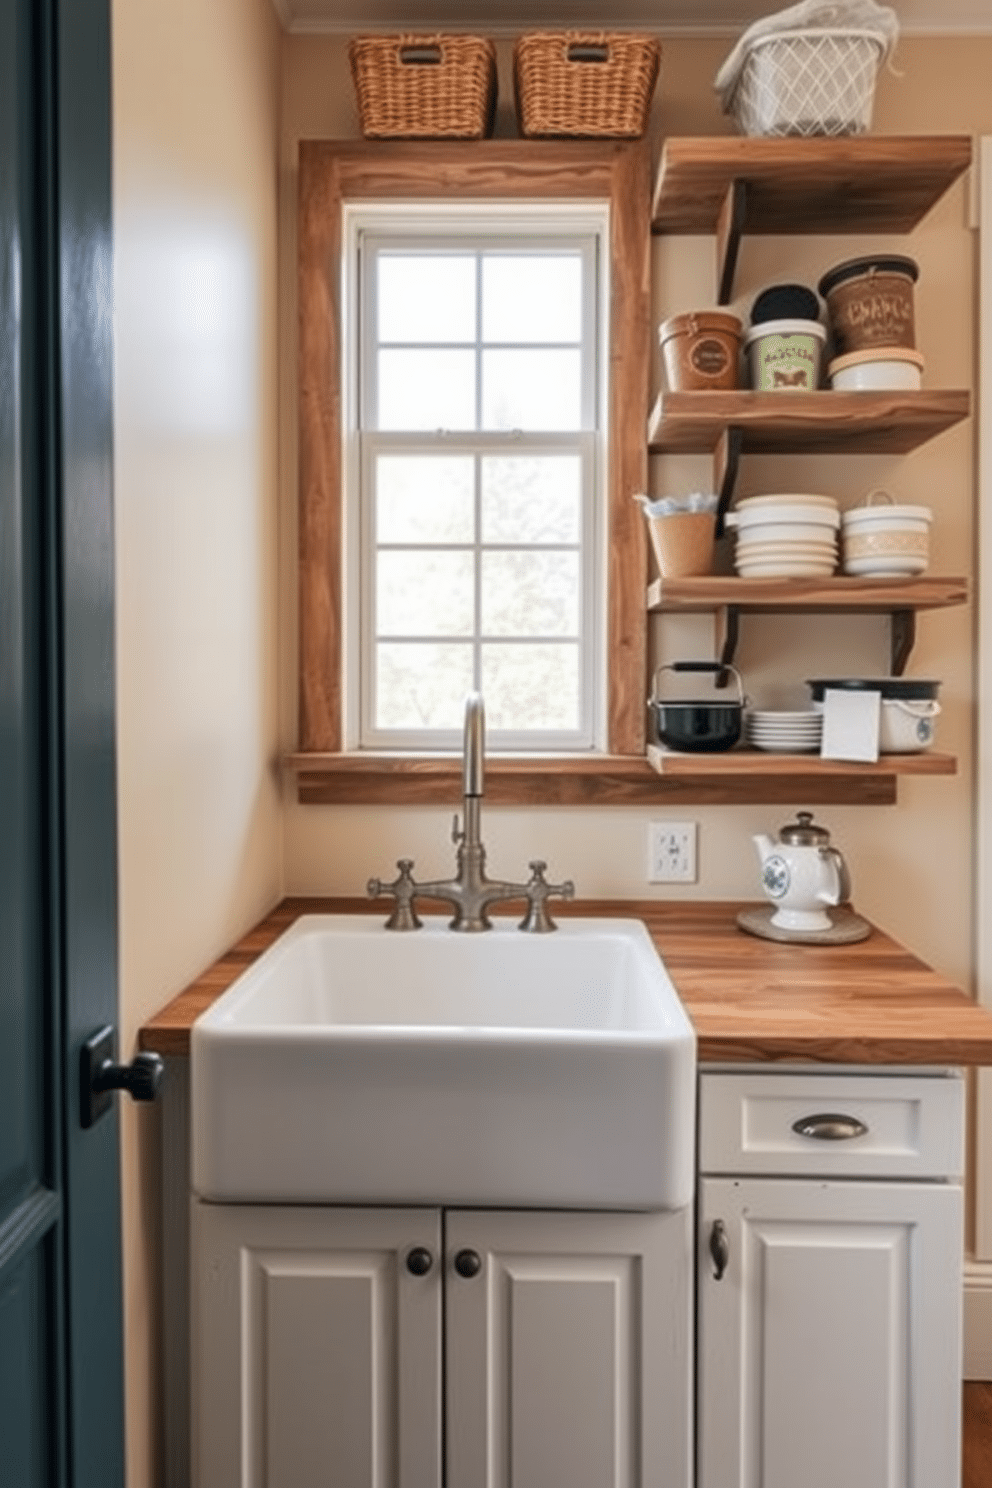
x,y
810,70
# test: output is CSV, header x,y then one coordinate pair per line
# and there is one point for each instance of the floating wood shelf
x,y
842,595
822,423
731,187
872,184
737,778
740,763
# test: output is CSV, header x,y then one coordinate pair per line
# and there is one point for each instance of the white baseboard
x,y
977,1361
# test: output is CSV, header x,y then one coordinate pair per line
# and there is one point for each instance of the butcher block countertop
x,y
750,1000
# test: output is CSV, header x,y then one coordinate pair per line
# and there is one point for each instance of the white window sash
x,y
515,227
586,735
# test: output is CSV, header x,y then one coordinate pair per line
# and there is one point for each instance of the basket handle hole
x,y
583,51
420,56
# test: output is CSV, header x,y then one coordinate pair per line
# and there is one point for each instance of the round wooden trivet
x,y
847,927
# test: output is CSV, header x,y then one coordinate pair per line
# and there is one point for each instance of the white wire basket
x,y
808,83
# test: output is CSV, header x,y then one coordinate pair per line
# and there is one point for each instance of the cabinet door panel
x,y
568,1354
317,1352
830,1349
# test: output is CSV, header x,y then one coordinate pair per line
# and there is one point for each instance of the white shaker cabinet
x,y
316,1352
523,1349
829,1338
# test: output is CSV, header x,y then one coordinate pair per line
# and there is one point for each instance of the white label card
x,y
850,724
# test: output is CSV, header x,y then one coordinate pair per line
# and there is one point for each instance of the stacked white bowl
x,y
785,536
782,732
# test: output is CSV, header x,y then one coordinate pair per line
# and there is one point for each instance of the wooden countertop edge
x,y
750,1000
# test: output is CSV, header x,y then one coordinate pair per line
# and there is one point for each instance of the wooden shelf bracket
x,y
726,467
729,231
901,640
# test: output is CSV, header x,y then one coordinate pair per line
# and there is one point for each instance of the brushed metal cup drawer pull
x,y
829,1127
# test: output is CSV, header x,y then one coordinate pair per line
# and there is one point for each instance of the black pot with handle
x,y
697,727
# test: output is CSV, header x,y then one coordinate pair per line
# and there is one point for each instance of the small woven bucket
x,y
808,83
683,543
424,87
584,84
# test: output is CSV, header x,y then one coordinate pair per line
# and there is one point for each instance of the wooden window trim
x,y
332,173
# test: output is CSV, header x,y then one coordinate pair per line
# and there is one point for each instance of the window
x,y
349,749
474,487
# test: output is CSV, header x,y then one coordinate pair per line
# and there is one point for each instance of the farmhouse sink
x,y
352,1064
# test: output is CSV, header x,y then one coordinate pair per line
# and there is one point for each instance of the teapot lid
x,y
803,833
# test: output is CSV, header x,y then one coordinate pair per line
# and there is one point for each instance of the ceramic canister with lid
x,y
701,350
883,539
877,369
870,302
785,355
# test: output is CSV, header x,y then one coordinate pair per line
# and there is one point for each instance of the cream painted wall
x,y
196,93
911,864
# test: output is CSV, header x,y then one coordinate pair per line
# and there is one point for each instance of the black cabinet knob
x,y
419,1260
468,1263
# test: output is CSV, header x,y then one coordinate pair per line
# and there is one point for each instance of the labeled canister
x,y
701,350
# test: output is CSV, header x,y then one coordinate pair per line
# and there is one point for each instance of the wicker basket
x,y
424,87
584,84
808,83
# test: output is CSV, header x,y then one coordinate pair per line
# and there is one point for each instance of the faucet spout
x,y
474,750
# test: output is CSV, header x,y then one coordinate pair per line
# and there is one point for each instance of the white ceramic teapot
x,y
800,873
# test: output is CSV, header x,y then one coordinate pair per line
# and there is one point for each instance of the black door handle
x,y
99,1076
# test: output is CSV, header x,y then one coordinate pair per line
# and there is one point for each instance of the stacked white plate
x,y
785,536
781,732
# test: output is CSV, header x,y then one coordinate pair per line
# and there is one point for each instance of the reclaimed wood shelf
x,y
842,594
737,778
740,763
820,423
871,184
733,186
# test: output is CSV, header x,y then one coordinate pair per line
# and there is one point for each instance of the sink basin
x,y
352,1064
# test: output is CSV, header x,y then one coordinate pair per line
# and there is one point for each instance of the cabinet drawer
x,y
855,1125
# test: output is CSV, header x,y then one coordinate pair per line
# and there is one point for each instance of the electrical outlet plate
x,y
672,852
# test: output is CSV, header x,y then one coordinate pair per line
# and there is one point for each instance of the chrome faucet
x,y
470,892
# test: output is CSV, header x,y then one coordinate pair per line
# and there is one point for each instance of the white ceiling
x,y
510,17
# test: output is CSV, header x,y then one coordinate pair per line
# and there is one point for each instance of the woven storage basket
x,y
584,84
424,87
808,83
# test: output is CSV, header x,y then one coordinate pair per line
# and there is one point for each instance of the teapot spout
x,y
764,845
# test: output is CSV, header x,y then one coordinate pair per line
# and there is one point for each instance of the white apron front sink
x,y
351,1064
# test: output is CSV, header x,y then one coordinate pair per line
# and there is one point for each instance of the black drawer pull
x,y
829,1127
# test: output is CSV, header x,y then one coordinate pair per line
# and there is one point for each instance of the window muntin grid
x,y
478,522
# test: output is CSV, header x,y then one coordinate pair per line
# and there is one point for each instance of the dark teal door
x,y
60,1309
